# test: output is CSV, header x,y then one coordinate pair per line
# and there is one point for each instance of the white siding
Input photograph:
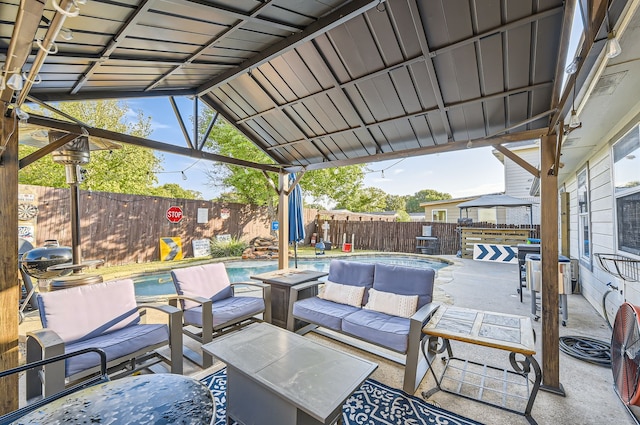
x,y
517,183
593,280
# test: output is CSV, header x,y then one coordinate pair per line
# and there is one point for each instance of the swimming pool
x,y
157,284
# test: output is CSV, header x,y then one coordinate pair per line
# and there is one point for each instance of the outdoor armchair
x,y
101,315
211,307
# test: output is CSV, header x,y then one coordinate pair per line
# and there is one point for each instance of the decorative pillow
x,y
393,304
343,294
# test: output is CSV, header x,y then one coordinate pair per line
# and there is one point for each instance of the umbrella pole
x,y
295,254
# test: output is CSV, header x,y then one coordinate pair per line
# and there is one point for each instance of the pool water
x,y
240,271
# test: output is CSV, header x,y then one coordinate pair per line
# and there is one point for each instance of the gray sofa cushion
x,y
405,281
115,344
382,329
226,310
352,273
322,312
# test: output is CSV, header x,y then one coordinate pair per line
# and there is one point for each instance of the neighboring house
x,y
518,182
447,211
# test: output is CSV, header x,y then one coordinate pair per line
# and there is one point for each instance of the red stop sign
x,y
174,214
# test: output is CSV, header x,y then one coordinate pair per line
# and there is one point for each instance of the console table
x,y
281,282
277,377
489,384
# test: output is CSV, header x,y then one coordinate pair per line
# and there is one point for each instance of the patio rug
x,y
372,404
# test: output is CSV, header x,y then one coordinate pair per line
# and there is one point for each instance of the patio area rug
x,y
372,404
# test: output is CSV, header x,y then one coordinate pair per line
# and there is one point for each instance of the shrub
x,y
230,248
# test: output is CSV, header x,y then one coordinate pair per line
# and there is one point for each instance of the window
x,y
584,225
626,178
439,215
487,215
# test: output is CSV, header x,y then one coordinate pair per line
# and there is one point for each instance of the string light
x,y
182,172
384,169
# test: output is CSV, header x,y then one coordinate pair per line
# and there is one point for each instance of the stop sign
x,y
174,214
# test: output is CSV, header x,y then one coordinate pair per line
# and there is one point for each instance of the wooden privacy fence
x,y
509,236
123,229
401,236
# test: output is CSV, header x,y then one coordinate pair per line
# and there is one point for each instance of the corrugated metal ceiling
x,y
320,83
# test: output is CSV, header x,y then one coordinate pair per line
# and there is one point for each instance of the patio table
x,y
143,399
489,384
277,377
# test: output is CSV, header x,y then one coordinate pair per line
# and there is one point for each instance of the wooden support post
x,y
549,265
9,290
564,223
283,219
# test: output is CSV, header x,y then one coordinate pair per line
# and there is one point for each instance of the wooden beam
x,y
283,219
145,143
518,160
29,159
9,288
549,265
426,150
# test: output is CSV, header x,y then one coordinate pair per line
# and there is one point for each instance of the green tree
x,y
403,216
396,203
426,195
173,190
368,199
130,169
246,185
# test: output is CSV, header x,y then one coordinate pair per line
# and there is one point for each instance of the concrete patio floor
x,y
590,398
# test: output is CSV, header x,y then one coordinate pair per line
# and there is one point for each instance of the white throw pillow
x,y
393,304
343,294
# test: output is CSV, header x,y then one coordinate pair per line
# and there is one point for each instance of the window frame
x,y
439,210
621,194
584,217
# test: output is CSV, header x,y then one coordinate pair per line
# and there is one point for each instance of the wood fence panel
x,y
124,229
472,236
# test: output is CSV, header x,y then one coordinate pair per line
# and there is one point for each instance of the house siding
x,y
517,183
593,280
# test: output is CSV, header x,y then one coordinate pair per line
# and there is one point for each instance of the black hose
x,y
587,349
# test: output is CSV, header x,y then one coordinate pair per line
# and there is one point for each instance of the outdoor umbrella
x,y
296,221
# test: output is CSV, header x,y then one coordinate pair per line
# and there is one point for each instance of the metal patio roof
x,y
313,83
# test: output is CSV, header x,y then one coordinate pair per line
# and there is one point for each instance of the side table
x,y
281,282
489,384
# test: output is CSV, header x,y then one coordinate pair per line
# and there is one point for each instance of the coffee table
x,y
276,377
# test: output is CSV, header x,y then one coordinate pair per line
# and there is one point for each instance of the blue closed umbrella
x,y
296,219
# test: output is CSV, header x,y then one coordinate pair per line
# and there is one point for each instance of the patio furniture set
x,y
380,308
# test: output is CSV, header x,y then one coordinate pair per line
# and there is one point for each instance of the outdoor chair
x,y
211,307
101,315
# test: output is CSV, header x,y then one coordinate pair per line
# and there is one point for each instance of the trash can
x,y
346,247
534,282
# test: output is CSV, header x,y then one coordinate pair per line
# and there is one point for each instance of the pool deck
x,y
590,398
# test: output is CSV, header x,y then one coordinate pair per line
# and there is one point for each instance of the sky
x,y
462,173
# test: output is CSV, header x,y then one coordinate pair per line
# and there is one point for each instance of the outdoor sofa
x,y
104,316
373,305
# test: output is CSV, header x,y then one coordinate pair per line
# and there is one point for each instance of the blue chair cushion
x,y
226,311
322,312
382,329
352,273
405,281
116,344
